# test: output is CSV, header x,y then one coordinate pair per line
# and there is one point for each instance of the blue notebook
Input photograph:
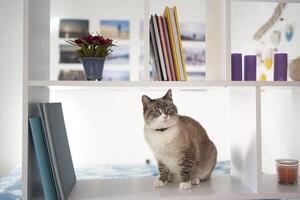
x,y
43,160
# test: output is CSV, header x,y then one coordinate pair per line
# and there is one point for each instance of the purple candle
x,y
250,68
236,67
280,66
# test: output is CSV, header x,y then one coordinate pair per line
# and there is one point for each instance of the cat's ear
x,y
168,95
146,100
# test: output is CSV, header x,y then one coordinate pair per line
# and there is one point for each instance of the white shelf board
x,y
191,69
78,66
271,189
219,187
162,83
274,1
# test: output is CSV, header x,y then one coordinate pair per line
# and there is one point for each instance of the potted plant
x,y
92,52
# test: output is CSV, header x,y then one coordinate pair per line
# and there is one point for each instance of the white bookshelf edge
x,y
41,83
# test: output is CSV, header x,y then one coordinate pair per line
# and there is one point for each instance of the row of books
x,y
52,151
166,53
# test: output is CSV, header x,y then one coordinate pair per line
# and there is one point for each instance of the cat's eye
x,y
157,112
169,109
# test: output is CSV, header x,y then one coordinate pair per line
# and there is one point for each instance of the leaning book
x,y
58,145
43,159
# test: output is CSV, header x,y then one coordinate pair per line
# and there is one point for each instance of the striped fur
x,y
163,171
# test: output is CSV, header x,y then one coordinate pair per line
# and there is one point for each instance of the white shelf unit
x,y
248,179
222,188
277,84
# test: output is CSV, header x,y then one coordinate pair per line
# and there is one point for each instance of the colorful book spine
x,y
152,63
153,49
177,47
159,47
169,52
172,42
166,45
164,48
180,43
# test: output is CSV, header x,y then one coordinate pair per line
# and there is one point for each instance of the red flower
x,y
107,41
101,40
98,39
89,39
93,46
78,42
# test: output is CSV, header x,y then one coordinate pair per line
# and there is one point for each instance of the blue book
x,y
43,159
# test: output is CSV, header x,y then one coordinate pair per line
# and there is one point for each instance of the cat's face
x,y
161,112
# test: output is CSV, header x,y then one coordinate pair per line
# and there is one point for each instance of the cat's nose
x,y
165,117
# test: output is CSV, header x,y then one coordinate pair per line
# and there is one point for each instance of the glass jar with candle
x,y
287,171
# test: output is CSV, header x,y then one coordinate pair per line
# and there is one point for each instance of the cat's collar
x,y
161,129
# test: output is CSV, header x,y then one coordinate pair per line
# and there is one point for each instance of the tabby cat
x,y
180,144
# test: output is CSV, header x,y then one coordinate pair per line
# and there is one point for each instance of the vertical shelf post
x,y
245,147
146,39
218,40
36,66
25,146
227,38
258,138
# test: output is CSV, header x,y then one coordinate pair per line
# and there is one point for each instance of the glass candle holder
x,y
236,67
287,171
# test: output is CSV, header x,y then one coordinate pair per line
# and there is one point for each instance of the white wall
x,y
105,126
248,17
280,126
131,10
280,107
11,56
95,10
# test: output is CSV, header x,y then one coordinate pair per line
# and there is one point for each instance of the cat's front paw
x,y
159,183
195,181
185,185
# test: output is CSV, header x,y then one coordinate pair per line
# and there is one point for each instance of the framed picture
x,y
115,29
73,28
196,76
141,30
192,31
115,75
194,56
71,75
67,54
120,55
141,56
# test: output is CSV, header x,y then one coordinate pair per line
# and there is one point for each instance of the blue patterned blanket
x,y
10,186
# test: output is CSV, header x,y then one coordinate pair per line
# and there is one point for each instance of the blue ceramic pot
x,y
93,68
